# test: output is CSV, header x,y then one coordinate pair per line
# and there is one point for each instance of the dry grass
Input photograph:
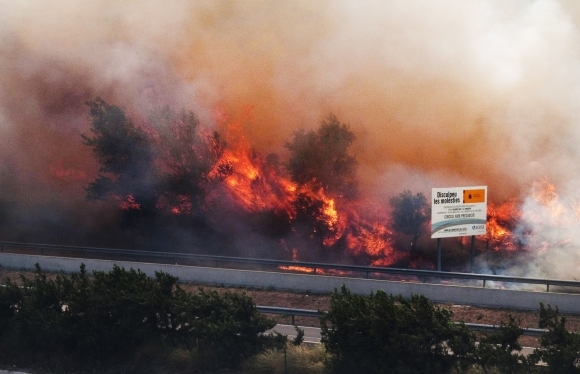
x,y
303,359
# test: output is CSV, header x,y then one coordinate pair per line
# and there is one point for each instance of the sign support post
x,y
472,251
438,254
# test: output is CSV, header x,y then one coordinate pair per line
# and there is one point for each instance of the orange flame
x,y
259,186
501,220
254,184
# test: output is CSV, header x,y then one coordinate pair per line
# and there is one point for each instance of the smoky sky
x,y
445,92
438,93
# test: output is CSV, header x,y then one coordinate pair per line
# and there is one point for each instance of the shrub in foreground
x,y
381,334
79,321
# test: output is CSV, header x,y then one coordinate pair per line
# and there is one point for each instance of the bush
x,y
560,347
79,321
501,349
381,333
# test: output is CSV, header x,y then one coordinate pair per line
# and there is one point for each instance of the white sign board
x,y
458,211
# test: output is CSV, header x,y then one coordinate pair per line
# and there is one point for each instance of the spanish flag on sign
x,y
473,196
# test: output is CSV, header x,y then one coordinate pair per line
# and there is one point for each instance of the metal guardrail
x,y
290,311
422,275
317,314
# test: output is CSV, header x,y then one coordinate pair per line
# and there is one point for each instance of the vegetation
x,y
124,322
110,321
322,159
126,155
163,165
560,347
295,359
410,214
382,334
188,159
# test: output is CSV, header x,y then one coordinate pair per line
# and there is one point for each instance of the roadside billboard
x,y
458,211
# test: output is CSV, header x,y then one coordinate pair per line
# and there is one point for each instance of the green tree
x,y
501,349
560,347
389,334
410,213
321,158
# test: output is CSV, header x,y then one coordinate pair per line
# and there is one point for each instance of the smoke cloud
x,y
438,93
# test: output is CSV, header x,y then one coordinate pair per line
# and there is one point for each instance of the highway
x,y
312,335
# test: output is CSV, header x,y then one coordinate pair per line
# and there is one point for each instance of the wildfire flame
x,y
257,186
501,221
515,225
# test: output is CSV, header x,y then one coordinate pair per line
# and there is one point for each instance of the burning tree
x,y
188,158
169,166
126,154
321,166
410,214
321,159
163,167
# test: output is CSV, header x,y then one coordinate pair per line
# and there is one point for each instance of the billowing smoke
x,y
438,93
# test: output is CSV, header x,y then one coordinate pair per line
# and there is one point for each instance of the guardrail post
x,y
483,282
292,319
367,275
312,273
547,287
2,248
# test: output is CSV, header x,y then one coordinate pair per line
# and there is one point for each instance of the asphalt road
x,y
312,335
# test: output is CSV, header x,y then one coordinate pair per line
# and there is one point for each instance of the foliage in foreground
x,y
122,321
382,333
80,322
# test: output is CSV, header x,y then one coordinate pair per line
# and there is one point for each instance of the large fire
x,y
259,186
430,105
516,225
501,222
